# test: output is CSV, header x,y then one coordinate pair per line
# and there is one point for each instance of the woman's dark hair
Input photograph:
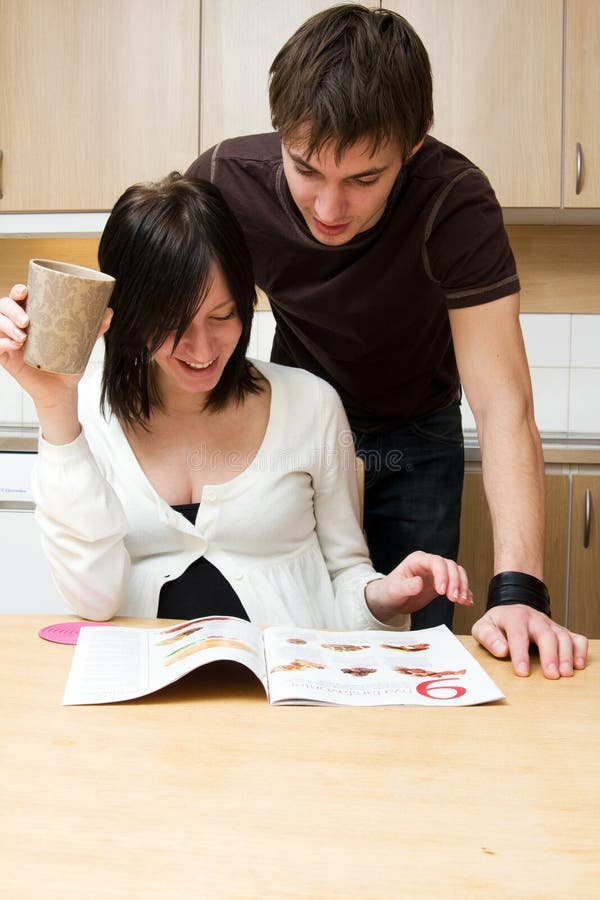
x,y
159,243
350,73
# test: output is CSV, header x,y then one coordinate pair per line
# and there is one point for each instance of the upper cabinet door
x,y
497,69
582,104
239,42
95,96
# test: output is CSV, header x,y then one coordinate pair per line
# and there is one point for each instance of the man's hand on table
x,y
509,630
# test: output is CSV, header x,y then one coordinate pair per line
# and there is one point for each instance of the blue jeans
x,y
413,487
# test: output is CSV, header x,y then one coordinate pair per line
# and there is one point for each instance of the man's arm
x,y
494,373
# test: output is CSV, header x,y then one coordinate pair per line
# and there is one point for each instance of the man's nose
x,y
330,205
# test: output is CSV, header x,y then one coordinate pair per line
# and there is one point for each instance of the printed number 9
x,y
436,690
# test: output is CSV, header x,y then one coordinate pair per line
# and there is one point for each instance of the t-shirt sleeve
x,y
466,249
203,166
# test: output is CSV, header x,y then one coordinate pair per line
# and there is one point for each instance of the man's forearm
x,y
513,475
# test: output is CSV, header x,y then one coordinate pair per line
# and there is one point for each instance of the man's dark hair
x,y
350,73
159,243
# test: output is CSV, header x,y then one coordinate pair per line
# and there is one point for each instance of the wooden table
x,y
206,791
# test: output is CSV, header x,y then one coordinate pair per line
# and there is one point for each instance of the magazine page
x,y
121,663
429,667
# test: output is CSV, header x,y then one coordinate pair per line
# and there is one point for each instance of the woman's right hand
x,y
54,395
13,325
44,388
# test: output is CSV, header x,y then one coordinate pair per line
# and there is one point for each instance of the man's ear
x,y
417,147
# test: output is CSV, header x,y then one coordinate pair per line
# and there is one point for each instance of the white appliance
x,y
26,584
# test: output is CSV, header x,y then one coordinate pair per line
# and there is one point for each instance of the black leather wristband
x,y
508,588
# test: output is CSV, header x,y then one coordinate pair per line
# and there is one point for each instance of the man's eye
x,y
366,182
306,173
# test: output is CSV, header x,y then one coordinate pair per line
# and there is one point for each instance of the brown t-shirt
x,y
370,316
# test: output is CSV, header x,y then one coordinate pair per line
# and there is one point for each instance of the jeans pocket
x,y
369,448
444,426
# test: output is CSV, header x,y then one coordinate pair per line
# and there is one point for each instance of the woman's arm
x,y
363,597
82,529
54,396
81,521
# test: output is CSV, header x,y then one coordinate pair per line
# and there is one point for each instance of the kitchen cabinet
x,y
238,47
497,71
476,552
572,569
498,84
95,96
502,93
582,103
584,556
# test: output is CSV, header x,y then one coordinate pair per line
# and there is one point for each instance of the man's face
x,y
339,200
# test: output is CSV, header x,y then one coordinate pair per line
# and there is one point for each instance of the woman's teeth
x,y
200,365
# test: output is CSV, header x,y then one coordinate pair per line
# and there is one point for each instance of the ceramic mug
x,y
65,304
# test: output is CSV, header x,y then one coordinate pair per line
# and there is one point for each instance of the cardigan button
x,y
209,495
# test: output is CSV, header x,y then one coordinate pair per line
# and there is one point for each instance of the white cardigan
x,y
284,532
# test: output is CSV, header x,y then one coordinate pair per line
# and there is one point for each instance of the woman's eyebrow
x,y
226,302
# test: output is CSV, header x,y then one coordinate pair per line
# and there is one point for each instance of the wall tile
x,y
585,342
29,411
98,351
94,365
565,400
547,339
468,420
584,401
10,400
265,331
253,343
551,398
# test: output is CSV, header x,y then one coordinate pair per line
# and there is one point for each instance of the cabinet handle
x,y
579,169
587,518
17,504
1,155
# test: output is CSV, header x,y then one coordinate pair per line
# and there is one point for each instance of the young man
x,y
385,260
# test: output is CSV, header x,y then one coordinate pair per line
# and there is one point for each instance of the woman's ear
x,y
106,320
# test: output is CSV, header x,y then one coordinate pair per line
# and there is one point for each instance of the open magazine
x,y
295,665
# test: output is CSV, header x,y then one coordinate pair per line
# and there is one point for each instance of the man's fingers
x,y
580,650
487,633
511,629
561,651
502,642
547,641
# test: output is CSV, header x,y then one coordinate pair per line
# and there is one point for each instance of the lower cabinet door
x,y
584,583
476,552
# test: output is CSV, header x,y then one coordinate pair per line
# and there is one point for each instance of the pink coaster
x,y
66,632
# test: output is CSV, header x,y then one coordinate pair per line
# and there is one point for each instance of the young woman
x,y
188,480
